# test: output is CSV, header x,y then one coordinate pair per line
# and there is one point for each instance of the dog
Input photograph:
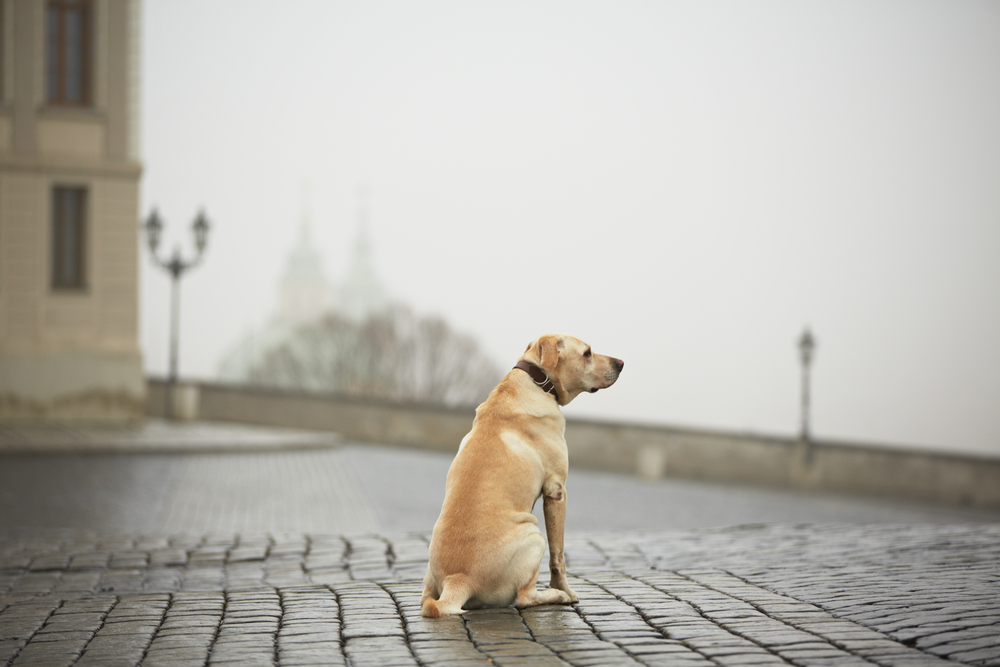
x,y
486,548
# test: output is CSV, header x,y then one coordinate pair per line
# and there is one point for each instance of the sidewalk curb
x,y
159,437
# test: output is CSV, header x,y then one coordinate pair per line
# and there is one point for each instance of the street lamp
x,y
176,266
807,345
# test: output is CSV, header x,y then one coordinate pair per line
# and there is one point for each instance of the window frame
x,y
69,252
56,49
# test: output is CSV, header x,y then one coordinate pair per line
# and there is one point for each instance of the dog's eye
x,y
587,353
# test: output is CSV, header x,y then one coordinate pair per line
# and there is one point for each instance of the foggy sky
x,y
683,185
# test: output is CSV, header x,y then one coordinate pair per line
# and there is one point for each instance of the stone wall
x,y
648,451
70,352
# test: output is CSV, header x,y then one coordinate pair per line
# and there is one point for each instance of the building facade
x,y
69,188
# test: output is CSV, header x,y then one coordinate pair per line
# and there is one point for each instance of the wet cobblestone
x,y
760,595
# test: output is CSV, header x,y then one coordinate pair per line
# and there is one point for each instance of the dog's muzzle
x,y
612,375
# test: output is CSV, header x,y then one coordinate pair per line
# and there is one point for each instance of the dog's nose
x,y
619,364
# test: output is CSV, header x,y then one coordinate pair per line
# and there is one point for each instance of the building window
x,y
69,236
67,52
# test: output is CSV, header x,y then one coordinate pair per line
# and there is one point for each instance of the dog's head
x,y
572,366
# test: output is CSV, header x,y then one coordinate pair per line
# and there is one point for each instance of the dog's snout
x,y
619,364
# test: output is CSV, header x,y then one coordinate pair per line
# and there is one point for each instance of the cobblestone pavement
x,y
274,549
758,595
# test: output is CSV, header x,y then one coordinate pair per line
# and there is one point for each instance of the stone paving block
x,y
755,659
329,576
984,643
109,659
991,633
320,637
176,621
112,643
129,559
295,621
167,642
122,581
37,583
251,655
78,582
989,657
389,651
355,630
87,560
311,657
598,656
51,561
249,551
71,622
163,579
168,556
9,648
23,620
69,637
547,624
676,661
208,555
627,636
448,652
657,648
289,546
51,653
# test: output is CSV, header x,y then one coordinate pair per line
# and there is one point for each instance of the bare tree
x,y
396,355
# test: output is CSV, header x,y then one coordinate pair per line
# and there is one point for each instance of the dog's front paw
x,y
559,596
547,596
566,595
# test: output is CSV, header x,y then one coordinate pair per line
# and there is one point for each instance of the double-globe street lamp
x,y
176,266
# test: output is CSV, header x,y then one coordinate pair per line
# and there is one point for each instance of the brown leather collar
x,y
539,377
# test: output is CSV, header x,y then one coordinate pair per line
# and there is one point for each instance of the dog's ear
x,y
549,347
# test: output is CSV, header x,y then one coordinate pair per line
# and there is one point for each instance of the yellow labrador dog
x,y
486,548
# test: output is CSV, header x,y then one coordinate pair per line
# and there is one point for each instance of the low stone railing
x,y
651,452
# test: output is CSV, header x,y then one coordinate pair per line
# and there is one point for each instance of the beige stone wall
x,y
70,354
77,137
647,451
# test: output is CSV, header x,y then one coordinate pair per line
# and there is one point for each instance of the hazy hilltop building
x,y
362,294
304,293
69,187
364,344
304,296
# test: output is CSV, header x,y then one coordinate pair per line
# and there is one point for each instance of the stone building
x,y
69,187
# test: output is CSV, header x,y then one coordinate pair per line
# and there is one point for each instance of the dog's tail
x,y
454,594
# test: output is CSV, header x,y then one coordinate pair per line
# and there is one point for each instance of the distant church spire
x,y
362,242
362,294
305,222
304,289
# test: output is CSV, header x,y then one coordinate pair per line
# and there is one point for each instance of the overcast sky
x,y
683,185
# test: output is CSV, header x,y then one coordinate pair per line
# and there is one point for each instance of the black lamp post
x,y
807,345
176,266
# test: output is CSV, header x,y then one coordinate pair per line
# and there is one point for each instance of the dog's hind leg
x,y
530,596
454,593
525,566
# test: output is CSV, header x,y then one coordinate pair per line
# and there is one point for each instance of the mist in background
x,y
683,185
